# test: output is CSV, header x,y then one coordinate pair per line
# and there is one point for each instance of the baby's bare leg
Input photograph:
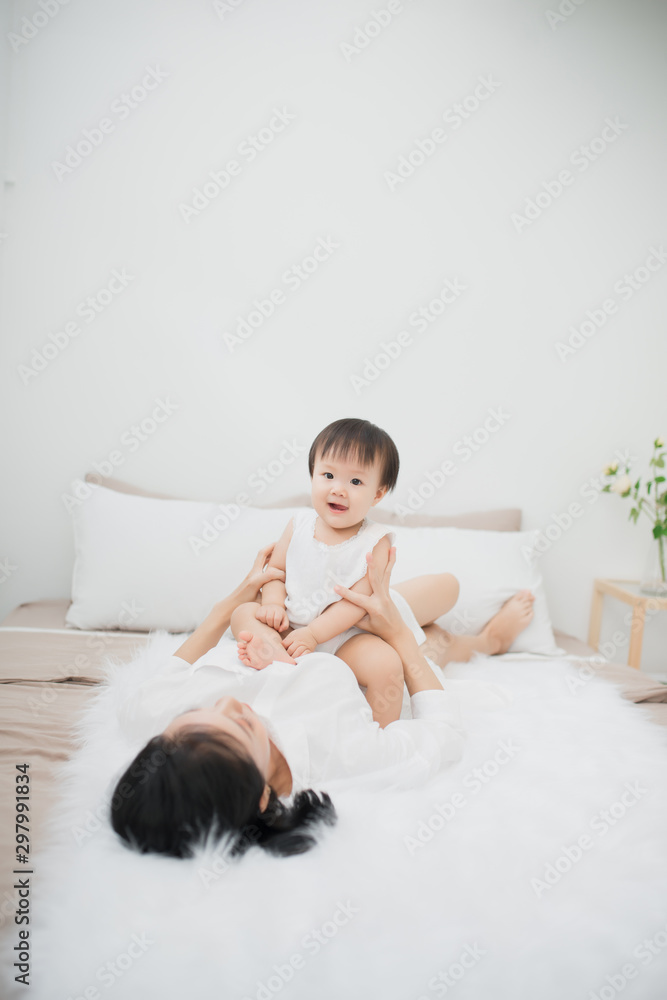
x,y
430,596
378,668
267,646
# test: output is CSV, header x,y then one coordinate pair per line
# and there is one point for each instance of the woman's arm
x,y
383,618
209,633
417,671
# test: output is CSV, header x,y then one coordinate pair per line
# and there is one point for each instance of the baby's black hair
x,y
361,440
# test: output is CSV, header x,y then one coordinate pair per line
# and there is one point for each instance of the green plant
x,y
653,501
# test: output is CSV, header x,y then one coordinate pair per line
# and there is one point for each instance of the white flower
x,y
622,485
659,442
611,470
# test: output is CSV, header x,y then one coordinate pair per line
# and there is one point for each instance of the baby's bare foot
x,y
514,616
258,653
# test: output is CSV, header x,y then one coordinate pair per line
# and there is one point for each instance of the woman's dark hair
x,y
360,439
179,790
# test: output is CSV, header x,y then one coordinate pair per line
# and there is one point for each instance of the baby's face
x,y
343,490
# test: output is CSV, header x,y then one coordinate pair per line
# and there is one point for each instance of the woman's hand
x,y
384,619
258,576
209,633
382,616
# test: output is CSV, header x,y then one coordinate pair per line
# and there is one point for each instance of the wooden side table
x,y
628,592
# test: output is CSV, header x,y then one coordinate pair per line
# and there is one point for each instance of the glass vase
x,y
653,581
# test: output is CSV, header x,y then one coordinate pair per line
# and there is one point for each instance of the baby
x,y
352,464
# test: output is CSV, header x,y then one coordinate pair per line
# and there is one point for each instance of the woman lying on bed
x,y
227,770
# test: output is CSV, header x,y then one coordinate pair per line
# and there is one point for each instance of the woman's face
x,y
234,718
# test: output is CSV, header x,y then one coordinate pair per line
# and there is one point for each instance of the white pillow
x,y
490,566
143,564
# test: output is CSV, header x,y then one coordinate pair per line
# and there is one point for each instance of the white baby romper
x,y
313,568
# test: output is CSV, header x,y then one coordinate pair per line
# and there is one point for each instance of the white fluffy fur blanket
x,y
534,868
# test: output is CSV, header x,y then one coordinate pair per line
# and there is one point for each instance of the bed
x,y
349,919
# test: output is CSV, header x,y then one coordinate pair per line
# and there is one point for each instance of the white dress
x,y
317,715
313,568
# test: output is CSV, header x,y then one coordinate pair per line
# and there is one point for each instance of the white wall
x,y
5,84
227,67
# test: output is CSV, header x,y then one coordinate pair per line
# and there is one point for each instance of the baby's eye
x,y
328,475
356,482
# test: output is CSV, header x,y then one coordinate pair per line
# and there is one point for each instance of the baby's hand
x,y
299,642
273,615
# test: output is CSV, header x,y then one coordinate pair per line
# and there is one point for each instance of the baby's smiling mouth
x,y
336,506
